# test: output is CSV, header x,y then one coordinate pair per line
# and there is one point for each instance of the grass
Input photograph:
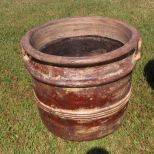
x,y
21,130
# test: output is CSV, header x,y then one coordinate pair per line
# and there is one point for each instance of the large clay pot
x,y
81,69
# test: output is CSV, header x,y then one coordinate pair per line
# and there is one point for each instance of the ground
x,y
21,129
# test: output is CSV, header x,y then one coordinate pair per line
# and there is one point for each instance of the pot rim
x,y
85,60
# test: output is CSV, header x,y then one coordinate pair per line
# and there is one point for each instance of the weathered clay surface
x,y
85,96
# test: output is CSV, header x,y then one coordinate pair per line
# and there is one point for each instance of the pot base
x,y
76,131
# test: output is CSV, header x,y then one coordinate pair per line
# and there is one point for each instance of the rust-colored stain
x,y
81,70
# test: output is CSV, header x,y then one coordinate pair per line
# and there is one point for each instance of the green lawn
x,y
21,129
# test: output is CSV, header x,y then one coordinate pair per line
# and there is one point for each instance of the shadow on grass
x,y
149,73
97,150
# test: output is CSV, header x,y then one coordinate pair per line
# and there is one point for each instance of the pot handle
x,y
26,57
137,54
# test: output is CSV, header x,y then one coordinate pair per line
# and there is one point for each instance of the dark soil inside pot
x,y
81,46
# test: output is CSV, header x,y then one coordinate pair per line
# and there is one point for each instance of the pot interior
x,y
80,46
79,37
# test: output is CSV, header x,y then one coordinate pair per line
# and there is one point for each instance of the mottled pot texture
x,y
81,70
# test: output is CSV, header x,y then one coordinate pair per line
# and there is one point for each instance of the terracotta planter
x,y
81,69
